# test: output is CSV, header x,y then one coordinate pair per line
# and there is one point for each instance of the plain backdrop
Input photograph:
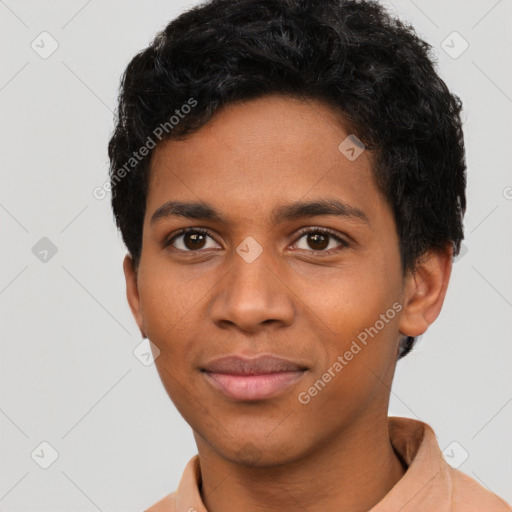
x,y
68,374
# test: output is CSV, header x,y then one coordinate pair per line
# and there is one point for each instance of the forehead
x,y
256,154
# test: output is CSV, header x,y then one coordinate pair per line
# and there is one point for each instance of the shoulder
x,y
166,504
469,496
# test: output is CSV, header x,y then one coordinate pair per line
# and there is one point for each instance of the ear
x,y
424,291
132,291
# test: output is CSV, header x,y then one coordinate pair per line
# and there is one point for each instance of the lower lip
x,y
253,387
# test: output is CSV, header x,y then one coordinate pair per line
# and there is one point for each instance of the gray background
x,y
68,375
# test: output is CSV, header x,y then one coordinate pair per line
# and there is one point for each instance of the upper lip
x,y
261,364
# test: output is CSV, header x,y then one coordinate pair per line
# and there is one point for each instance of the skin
x,y
299,299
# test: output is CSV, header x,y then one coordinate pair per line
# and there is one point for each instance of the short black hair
x,y
369,67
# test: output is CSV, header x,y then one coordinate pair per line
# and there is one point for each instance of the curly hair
x,y
369,67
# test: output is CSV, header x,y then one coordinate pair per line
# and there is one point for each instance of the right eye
x,y
190,240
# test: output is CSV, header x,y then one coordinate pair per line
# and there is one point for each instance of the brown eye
x,y
194,240
319,240
190,240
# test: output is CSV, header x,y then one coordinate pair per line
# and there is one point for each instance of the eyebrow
x,y
286,212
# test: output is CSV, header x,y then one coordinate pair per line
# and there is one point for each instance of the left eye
x,y
191,240
320,240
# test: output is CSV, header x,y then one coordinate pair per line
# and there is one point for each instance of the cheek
x,y
167,311
167,308
354,300
359,359
362,312
163,286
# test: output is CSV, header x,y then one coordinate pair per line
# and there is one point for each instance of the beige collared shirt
x,y
430,484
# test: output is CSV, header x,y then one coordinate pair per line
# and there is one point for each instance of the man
x,y
289,179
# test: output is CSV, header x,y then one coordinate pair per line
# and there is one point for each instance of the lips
x,y
248,379
260,365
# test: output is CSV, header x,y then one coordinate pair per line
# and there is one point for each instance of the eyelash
x,y
326,231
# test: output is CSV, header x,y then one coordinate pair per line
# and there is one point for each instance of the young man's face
x,y
305,298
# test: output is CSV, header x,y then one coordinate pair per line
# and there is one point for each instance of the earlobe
x,y
424,292
132,291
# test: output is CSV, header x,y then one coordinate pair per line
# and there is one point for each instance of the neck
x,y
352,471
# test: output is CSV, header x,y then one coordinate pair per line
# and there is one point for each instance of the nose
x,y
253,295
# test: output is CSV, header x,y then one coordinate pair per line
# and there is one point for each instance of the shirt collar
x,y
426,484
